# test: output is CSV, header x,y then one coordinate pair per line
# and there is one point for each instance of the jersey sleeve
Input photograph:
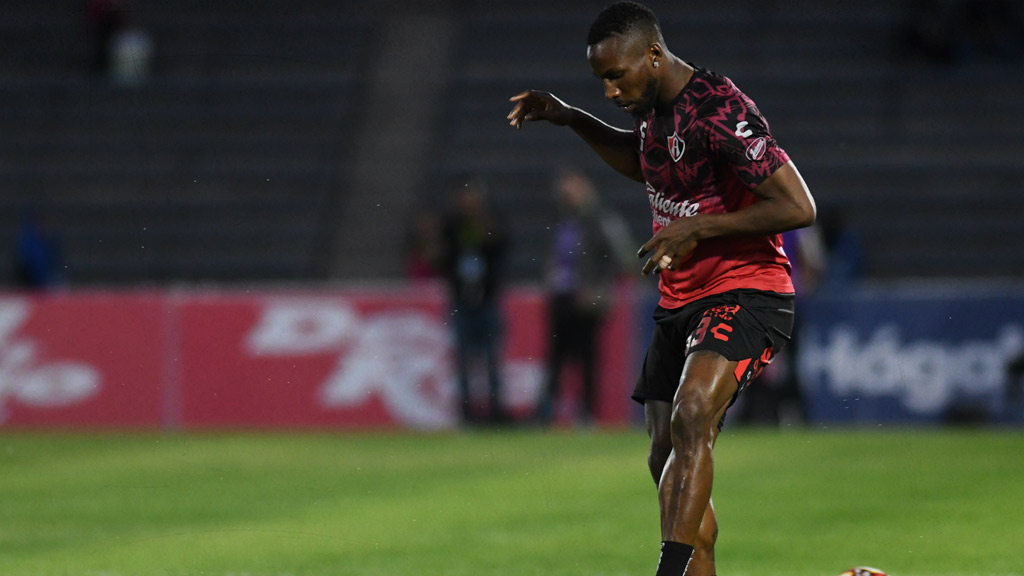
x,y
739,138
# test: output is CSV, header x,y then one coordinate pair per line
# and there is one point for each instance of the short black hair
x,y
623,18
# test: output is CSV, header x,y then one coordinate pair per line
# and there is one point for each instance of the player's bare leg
x,y
684,490
658,417
703,561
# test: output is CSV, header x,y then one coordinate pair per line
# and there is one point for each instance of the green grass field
x,y
813,502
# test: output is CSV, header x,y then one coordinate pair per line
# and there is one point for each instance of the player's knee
x,y
658,417
691,422
661,448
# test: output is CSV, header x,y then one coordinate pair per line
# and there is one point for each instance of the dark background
x,y
295,141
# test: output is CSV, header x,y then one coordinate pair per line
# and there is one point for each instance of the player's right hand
x,y
533,105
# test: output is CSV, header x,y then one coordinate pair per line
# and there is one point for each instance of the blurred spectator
x,y
131,51
122,50
472,259
38,260
423,247
586,256
843,252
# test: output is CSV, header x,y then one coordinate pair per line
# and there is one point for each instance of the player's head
x,y
624,47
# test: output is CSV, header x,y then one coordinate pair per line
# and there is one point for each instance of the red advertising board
x,y
82,359
346,358
315,359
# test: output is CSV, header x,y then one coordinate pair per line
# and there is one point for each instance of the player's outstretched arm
x,y
614,146
785,204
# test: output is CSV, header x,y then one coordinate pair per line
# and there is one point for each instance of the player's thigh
x,y
706,388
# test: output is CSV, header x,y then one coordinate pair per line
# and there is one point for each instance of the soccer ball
x,y
863,571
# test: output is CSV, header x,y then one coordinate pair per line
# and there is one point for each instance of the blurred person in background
x,y
721,193
843,252
585,259
122,50
472,259
38,258
131,52
423,246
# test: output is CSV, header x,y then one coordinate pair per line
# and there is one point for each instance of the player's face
x,y
623,68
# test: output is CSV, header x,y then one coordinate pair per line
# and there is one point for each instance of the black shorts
x,y
748,326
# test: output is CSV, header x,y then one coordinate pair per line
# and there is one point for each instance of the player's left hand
x,y
671,245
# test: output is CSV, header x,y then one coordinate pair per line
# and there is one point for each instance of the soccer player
x,y
721,193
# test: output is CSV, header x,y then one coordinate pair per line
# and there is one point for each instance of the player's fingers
x,y
520,96
643,251
657,262
651,265
520,114
520,105
648,246
515,114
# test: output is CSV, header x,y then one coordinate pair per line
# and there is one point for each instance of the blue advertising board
x,y
912,355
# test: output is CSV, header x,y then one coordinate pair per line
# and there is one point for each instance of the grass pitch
x,y
810,502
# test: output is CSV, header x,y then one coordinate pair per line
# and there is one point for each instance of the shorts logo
x,y
721,332
756,149
676,147
723,315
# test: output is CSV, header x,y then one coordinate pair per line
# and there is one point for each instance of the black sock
x,y
675,557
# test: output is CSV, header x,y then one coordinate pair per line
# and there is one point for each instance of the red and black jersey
x,y
705,155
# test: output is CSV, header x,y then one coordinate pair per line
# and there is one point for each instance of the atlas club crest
x,y
676,147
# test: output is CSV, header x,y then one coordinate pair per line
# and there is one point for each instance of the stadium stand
x,y
232,162
224,165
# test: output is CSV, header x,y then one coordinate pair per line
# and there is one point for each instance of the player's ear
x,y
655,54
